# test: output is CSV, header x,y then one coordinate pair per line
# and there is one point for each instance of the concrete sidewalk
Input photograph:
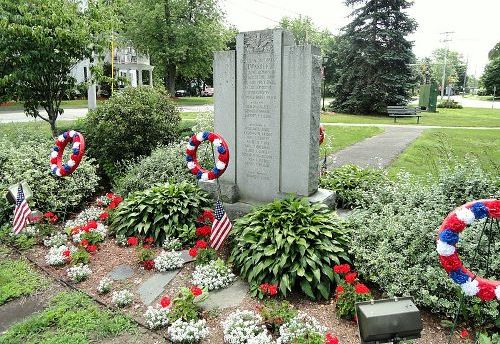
x,y
377,151
408,126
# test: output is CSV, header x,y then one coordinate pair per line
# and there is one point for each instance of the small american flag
x,y
221,226
22,212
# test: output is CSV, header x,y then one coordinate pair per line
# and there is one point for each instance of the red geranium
x,y
264,287
91,248
360,288
84,242
115,201
342,268
193,252
201,244
196,291
66,253
48,214
464,334
272,289
208,215
104,216
351,277
486,292
339,290
203,231
450,263
132,241
110,195
452,222
330,339
146,246
92,224
148,264
149,240
165,301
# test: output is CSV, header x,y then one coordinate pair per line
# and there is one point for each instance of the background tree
x,y
455,68
180,35
374,57
40,41
495,52
491,76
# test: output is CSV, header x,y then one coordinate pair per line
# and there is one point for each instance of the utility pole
x,y
465,76
445,40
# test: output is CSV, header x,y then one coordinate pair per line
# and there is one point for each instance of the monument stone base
x,y
236,208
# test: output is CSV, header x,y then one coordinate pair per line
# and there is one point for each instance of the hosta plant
x,y
291,243
165,210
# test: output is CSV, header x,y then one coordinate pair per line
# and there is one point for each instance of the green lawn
x,y
77,103
437,147
467,117
18,278
339,137
193,100
71,317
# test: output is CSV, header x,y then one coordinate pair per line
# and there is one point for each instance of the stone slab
x,y
323,196
20,309
228,190
154,286
187,258
231,296
121,272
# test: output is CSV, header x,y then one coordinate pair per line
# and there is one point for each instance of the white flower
x,y
299,326
220,165
199,136
53,154
470,288
156,317
101,230
172,244
191,165
56,240
204,177
188,331
464,214
261,338
79,272
169,261
31,231
444,249
56,255
71,163
497,292
214,275
104,285
122,298
242,325
72,133
103,201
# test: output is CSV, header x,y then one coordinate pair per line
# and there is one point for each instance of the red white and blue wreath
x,y
222,159
78,150
448,237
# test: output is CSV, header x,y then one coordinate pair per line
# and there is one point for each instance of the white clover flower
x,y
157,317
56,255
56,240
122,298
214,275
242,325
169,261
104,285
299,326
191,331
79,272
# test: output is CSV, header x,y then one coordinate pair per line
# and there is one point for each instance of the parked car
x,y
181,93
208,92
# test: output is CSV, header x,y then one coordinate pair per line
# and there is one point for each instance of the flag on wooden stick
x,y
22,212
220,227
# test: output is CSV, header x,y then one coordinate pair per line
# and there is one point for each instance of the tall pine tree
x,y
374,57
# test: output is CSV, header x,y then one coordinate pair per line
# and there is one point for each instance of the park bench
x,y
403,111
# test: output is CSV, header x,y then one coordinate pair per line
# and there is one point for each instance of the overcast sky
x,y
475,22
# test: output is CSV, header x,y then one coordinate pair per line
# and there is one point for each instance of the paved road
x,y
74,113
377,151
466,102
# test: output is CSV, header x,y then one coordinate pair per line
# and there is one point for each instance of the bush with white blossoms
x,y
214,275
157,317
169,261
56,240
79,272
59,255
103,201
187,332
31,231
242,325
89,214
104,285
122,298
299,326
261,338
172,244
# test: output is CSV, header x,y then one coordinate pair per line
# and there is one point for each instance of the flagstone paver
x,y
121,272
231,296
154,286
187,258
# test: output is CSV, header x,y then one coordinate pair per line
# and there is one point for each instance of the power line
x,y
278,7
447,38
253,12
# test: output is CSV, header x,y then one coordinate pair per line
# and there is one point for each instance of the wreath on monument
x,y
448,237
78,150
321,134
222,160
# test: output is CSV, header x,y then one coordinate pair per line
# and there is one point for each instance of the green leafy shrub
x,y
27,158
277,313
290,243
165,210
450,104
81,256
395,239
351,183
166,163
130,124
186,305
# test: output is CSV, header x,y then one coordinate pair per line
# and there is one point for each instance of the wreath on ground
x,y
448,237
222,159
78,150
